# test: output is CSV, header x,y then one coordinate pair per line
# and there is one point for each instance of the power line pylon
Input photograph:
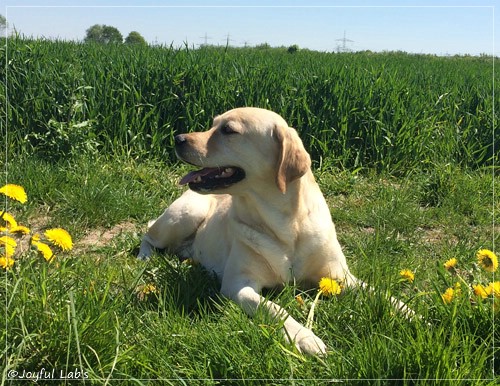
x,y
343,47
205,39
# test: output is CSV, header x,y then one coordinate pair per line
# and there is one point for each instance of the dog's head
x,y
244,147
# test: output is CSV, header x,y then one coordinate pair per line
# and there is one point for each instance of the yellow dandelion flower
x,y
407,275
480,290
9,244
488,260
450,264
35,238
10,221
145,290
329,286
149,289
6,262
493,289
59,237
448,295
20,229
15,192
44,249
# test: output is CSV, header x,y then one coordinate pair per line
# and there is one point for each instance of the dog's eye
x,y
227,129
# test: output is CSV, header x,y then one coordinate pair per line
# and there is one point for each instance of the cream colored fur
x,y
271,228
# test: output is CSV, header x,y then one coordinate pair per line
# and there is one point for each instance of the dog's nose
x,y
180,139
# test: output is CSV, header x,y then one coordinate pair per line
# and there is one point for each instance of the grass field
x,y
386,111
407,169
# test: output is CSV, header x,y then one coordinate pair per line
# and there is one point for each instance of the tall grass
x,y
389,111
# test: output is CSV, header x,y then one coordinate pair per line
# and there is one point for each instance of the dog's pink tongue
x,y
192,176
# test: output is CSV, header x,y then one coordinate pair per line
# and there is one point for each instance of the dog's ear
x,y
293,159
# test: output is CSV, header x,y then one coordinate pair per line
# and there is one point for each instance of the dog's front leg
x,y
249,299
179,222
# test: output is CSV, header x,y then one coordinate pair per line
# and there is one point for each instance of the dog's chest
x,y
286,254
277,254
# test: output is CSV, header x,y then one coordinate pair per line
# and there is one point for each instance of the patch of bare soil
x,y
94,239
97,238
436,235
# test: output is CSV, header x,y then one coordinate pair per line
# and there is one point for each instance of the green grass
x,y
403,149
391,111
85,310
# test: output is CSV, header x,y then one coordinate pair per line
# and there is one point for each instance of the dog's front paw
x,y
145,250
308,343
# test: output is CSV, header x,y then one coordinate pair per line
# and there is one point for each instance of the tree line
x,y
105,34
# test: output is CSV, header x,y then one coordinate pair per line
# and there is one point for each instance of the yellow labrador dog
x,y
253,214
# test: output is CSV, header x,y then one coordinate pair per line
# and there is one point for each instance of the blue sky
x,y
420,26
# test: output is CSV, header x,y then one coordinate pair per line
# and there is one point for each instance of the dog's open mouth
x,y
208,179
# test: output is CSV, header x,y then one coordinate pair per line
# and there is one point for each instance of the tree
x,y
100,33
293,49
135,37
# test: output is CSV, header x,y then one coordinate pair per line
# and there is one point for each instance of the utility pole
x,y
344,40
